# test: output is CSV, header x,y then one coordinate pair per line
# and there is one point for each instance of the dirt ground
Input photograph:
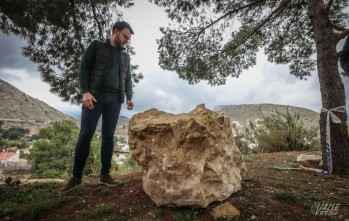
x,y
267,194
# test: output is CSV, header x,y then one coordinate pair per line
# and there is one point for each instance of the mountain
x,y
241,115
21,110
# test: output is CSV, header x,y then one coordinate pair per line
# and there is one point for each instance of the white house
x,y
9,158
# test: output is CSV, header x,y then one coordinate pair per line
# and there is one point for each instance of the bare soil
x,y
267,194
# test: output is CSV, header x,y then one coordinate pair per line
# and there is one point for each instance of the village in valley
x,y
15,149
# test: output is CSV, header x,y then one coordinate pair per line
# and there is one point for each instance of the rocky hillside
x,y
241,115
20,109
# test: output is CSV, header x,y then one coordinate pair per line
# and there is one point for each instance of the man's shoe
x,y
73,182
108,180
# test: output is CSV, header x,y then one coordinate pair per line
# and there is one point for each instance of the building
x,y
9,158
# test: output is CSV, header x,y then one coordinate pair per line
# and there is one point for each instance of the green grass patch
x,y
159,212
27,202
249,195
288,196
78,218
104,189
283,186
186,215
288,158
102,210
249,158
344,210
115,218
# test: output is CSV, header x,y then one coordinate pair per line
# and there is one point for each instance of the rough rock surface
x,y
188,159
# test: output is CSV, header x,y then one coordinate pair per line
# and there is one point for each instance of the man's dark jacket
x,y
98,69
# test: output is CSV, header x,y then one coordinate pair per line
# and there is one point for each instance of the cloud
x,y
14,74
11,55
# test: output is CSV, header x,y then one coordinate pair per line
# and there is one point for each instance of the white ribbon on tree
x,y
336,120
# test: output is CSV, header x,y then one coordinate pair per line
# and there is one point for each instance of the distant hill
x,y
241,115
22,110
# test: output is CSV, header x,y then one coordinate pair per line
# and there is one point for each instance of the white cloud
x,y
14,74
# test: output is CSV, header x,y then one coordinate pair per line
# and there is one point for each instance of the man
x,y
105,79
344,56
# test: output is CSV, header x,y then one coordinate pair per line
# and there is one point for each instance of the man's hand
x,y
130,105
88,99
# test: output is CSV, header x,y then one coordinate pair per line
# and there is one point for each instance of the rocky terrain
x,y
21,110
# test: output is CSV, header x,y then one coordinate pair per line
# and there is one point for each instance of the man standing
x,y
105,79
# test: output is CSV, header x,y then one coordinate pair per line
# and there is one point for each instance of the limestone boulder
x,y
187,159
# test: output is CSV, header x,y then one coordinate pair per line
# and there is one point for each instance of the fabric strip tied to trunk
x,y
336,120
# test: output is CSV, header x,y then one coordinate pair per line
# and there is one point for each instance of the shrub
x,y
53,153
281,132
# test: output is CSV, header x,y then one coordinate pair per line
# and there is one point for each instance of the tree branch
x,y
223,16
337,27
100,29
343,34
75,24
229,13
279,9
328,6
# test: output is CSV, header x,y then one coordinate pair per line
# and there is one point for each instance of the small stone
x,y
8,180
226,210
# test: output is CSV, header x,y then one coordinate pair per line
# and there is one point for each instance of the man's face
x,y
123,36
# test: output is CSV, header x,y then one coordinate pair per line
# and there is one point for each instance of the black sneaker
x,y
73,182
108,180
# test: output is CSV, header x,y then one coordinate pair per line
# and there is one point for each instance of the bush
x,y
129,165
14,133
281,132
53,153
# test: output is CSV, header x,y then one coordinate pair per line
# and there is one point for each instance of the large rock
x,y
188,159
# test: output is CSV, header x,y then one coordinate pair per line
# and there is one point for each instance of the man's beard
x,y
117,43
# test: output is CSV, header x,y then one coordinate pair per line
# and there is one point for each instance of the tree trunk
x,y
331,88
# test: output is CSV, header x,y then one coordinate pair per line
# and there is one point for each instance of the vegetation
x,y
122,139
248,158
14,133
278,132
266,194
129,165
27,203
52,155
13,137
287,195
14,143
102,209
212,40
1,123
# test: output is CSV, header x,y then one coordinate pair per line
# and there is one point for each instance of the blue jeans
x,y
107,105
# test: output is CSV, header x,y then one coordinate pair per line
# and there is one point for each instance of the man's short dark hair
x,y
120,25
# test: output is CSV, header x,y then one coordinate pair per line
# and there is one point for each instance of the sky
x,y
164,90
